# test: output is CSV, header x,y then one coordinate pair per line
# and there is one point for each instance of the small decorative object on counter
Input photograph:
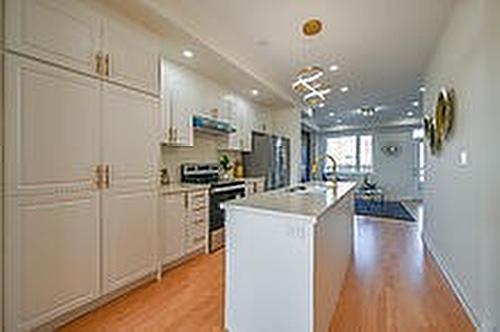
x,y
226,166
238,169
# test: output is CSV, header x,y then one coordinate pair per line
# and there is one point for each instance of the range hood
x,y
212,126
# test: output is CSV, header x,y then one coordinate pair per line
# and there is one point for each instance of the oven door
x,y
217,214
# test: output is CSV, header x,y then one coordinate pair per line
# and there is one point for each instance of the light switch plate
x,y
463,158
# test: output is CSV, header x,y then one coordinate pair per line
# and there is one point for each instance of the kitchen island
x,y
287,252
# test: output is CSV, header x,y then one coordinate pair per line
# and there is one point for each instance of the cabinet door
x,y
65,32
177,105
182,119
134,57
173,218
246,128
52,203
130,146
235,141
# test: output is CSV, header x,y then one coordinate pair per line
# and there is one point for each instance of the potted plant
x,y
226,166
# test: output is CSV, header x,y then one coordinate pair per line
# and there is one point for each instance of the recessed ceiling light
x,y
410,114
334,68
331,114
344,89
415,103
255,92
339,120
188,54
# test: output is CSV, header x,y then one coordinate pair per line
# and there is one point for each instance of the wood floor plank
x,y
392,285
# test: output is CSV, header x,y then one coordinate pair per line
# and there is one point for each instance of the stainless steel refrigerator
x,y
270,157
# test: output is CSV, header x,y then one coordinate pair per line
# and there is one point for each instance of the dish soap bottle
x,y
238,169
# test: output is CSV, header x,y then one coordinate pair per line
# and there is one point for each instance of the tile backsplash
x,y
204,151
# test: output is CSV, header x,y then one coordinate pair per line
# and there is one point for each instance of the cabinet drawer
x,y
197,241
198,201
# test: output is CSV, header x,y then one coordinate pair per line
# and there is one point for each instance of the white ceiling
x,y
381,46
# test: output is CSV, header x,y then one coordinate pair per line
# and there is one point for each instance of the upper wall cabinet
x,y
178,103
70,34
65,32
131,55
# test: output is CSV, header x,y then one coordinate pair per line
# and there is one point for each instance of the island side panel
x,y
333,238
268,271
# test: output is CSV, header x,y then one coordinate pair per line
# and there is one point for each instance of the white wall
x,y
286,122
462,213
394,174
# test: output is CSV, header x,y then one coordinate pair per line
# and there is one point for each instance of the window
x,y
366,153
353,153
343,149
418,135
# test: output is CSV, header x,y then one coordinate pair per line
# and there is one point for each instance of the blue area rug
x,y
392,210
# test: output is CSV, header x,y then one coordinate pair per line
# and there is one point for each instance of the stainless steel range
x,y
220,191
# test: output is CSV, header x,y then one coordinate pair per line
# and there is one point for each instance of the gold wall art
x,y
438,126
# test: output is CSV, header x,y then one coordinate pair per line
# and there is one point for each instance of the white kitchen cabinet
x,y
131,54
60,126
262,121
172,226
183,224
248,119
52,203
197,220
177,105
254,186
129,233
240,118
65,32
71,34
130,150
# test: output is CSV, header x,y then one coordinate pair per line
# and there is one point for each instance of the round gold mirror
x,y
444,114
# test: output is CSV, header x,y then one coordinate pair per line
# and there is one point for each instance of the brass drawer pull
x,y
98,61
199,221
107,61
199,208
107,180
99,181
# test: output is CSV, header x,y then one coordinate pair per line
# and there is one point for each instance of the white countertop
x,y
254,179
312,202
182,187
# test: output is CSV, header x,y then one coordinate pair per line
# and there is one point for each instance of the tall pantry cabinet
x,y
82,132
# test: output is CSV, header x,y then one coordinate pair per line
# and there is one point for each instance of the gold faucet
x,y
315,169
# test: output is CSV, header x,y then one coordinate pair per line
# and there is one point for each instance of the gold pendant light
x,y
308,83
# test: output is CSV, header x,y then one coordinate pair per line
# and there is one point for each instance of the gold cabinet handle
x,y
98,177
199,221
107,180
98,61
107,61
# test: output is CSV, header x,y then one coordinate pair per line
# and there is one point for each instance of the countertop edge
x,y
351,186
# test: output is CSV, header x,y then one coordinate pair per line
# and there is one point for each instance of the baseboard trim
x,y
454,284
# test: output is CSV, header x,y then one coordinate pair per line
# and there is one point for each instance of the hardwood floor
x,y
392,285
188,298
